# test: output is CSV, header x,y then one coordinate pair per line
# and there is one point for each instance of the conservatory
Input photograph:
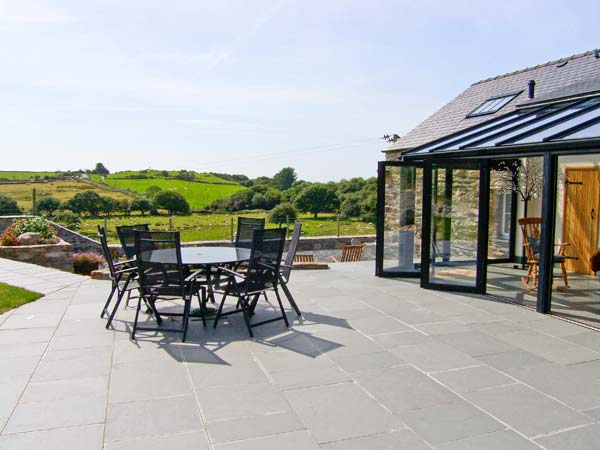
x,y
505,207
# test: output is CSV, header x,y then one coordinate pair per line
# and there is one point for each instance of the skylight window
x,y
492,105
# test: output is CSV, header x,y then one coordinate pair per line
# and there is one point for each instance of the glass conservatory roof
x,y
573,121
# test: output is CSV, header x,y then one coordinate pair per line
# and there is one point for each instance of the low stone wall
x,y
321,246
56,256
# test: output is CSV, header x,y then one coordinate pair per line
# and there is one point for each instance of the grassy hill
x,y
158,174
62,190
200,191
18,175
198,195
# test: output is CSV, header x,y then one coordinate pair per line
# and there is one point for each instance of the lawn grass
x,y
213,227
12,297
198,195
62,190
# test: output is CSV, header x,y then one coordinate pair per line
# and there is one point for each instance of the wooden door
x,y
580,216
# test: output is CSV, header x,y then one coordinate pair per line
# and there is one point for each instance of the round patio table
x,y
203,256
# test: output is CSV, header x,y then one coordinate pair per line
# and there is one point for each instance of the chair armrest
x,y
121,263
231,272
194,275
127,270
561,247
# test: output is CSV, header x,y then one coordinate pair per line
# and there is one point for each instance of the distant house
x,y
454,186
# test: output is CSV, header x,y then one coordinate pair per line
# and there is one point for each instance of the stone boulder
x,y
29,238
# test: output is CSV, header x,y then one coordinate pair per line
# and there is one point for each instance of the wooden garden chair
x,y
530,226
304,258
350,253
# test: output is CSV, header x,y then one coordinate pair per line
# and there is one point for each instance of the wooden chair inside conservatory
x,y
530,226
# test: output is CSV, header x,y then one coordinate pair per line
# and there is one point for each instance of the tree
x,y
141,204
283,212
107,204
100,169
151,191
165,173
84,202
285,178
317,198
350,207
173,202
259,201
8,206
123,205
48,205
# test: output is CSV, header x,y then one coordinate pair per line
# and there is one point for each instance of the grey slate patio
x,y
373,364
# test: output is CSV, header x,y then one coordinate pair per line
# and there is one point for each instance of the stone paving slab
x,y
373,364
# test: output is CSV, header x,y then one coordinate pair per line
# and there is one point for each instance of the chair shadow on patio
x,y
205,345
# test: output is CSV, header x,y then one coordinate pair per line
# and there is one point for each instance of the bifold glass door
x,y
456,219
399,221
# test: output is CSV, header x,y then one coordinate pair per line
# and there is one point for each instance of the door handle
x,y
593,213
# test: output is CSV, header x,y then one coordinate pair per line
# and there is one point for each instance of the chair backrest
x,y
125,235
352,253
291,253
245,227
531,228
304,258
158,255
265,258
106,251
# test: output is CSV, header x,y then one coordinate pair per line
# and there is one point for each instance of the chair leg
x,y
564,274
290,298
186,316
137,315
285,319
245,306
218,316
112,293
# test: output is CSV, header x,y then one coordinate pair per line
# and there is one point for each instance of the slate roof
x,y
552,77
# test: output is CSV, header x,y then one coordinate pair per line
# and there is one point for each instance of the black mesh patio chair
x,y
126,237
260,276
122,276
245,227
162,276
286,267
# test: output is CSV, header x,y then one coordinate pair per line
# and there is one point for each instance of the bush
x,y
8,206
69,220
34,225
8,238
281,212
85,262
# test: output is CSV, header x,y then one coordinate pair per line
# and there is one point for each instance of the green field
x,y
198,195
61,190
12,297
25,176
209,227
157,174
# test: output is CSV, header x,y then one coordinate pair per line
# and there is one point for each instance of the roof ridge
x,y
528,69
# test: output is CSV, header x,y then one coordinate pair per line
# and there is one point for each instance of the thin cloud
x,y
22,12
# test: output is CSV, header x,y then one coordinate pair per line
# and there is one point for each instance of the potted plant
x,y
86,262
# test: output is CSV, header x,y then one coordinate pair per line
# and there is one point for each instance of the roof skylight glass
x,y
492,105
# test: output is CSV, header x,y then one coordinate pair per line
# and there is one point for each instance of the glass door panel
x,y
454,226
399,224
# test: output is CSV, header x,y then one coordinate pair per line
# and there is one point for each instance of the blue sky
x,y
253,86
